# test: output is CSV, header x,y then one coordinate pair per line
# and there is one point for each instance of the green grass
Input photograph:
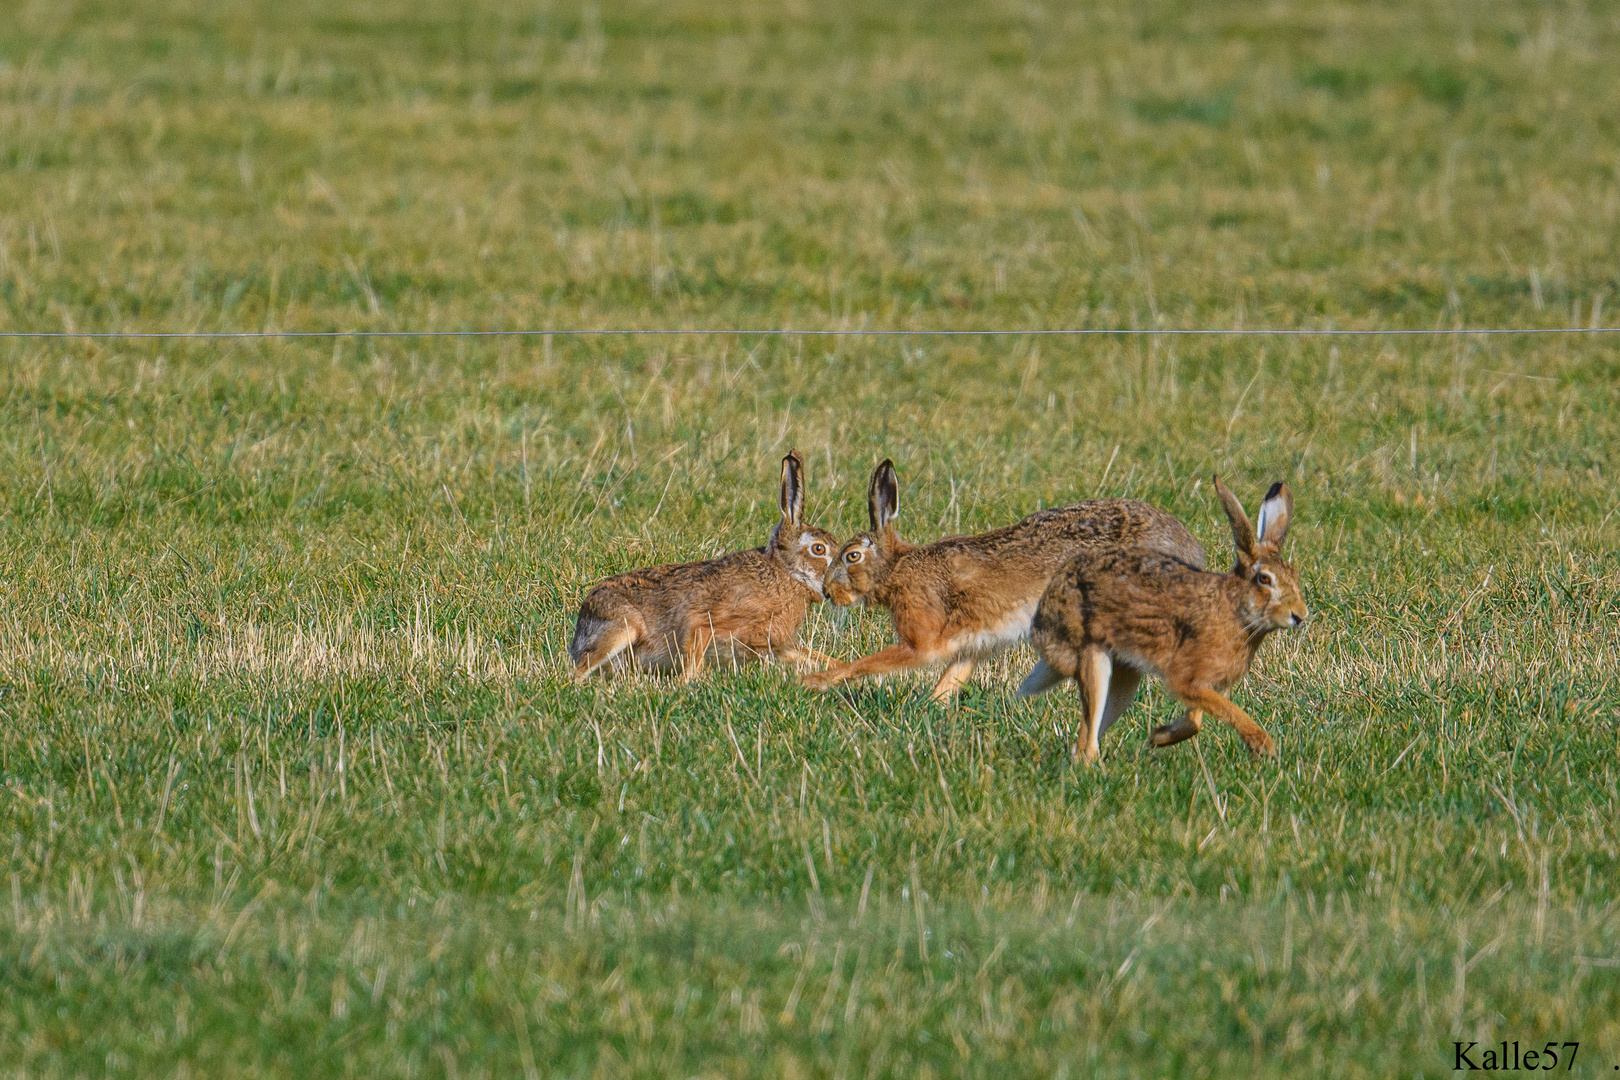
x,y
295,782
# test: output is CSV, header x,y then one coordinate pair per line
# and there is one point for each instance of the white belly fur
x,y
1013,628
1140,663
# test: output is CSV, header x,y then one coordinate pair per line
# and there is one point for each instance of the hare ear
x,y
1276,513
1242,531
883,496
792,500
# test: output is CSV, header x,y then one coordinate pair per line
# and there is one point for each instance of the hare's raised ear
x,y
883,496
1276,513
1242,531
792,500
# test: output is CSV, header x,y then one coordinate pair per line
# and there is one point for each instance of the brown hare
x,y
965,597
744,605
1117,614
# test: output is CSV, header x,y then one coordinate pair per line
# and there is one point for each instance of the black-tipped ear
x,y
1276,514
883,496
792,500
1242,531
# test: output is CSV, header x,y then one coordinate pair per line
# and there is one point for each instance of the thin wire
x,y
216,335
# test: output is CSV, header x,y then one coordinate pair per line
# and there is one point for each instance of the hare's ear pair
x,y
792,500
1276,513
883,496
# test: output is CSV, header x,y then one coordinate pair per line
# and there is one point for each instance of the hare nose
x,y
1296,619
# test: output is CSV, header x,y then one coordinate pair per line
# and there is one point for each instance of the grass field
x,y
295,782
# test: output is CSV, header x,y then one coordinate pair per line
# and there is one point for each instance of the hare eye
x,y
1264,579
818,549
853,557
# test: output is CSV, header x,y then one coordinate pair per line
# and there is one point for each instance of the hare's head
x,y
805,550
1272,600
863,562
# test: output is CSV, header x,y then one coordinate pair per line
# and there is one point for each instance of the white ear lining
x,y
1270,511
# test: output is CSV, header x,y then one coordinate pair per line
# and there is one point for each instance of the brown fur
x,y
741,606
964,597
1121,613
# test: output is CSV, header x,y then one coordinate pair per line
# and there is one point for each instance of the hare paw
x,y
1170,734
1261,746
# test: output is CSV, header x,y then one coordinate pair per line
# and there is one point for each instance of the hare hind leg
x,y
613,639
1180,731
1058,664
1095,670
1122,684
1042,677
951,681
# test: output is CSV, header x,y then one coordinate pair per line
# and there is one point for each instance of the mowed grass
x,y
296,783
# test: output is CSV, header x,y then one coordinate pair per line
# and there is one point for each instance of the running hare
x,y
743,605
965,597
1115,615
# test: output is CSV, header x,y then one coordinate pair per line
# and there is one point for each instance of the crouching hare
x,y
741,606
1117,614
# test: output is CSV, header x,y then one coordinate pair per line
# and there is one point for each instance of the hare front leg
x,y
956,673
1093,674
807,659
696,646
802,658
894,658
1258,742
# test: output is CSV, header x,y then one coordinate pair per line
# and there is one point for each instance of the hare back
x,y
979,592
1152,611
1052,536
